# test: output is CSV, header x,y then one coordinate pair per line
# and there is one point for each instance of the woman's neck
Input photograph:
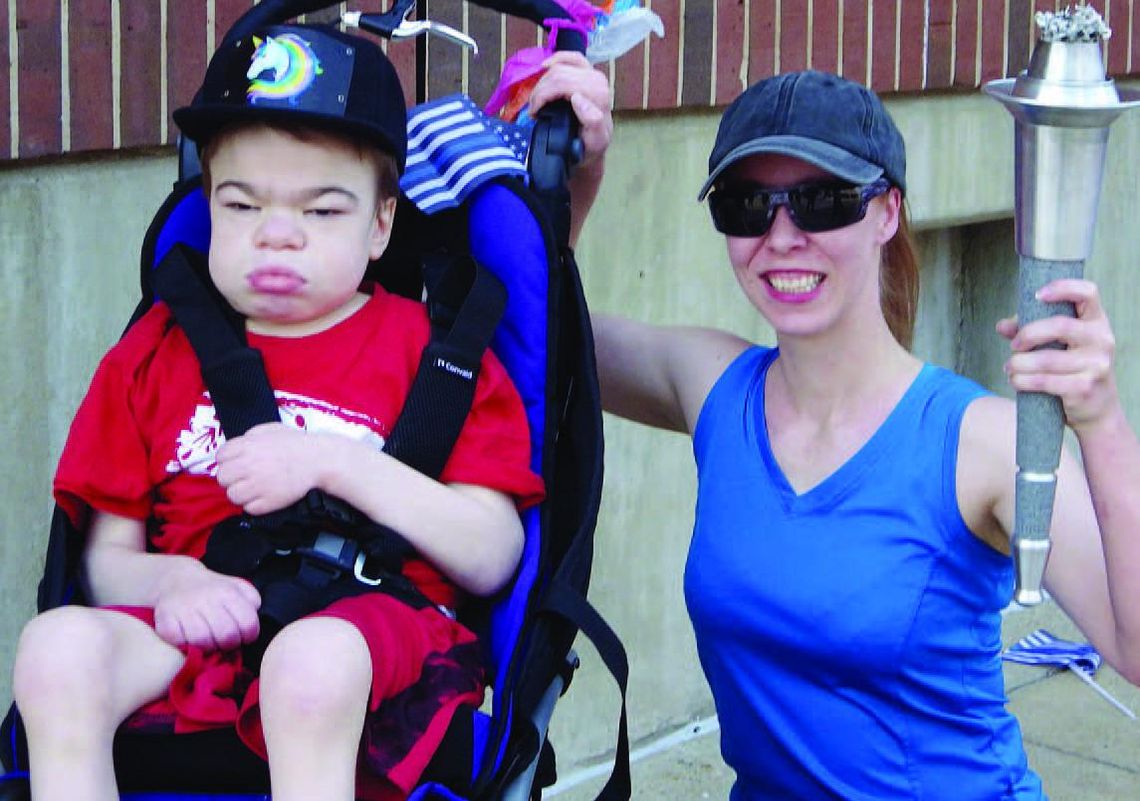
x,y
823,401
838,374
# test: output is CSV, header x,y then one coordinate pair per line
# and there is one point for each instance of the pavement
x,y
1082,746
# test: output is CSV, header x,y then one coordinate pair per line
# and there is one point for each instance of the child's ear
x,y
382,227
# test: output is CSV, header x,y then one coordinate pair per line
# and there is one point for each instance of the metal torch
x,y
1062,107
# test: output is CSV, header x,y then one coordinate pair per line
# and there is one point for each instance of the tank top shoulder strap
x,y
733,390
939,429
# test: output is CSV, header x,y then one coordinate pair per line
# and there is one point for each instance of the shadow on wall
x,y
989,293
968,283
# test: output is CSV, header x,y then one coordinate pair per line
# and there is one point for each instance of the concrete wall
x,y
70,235
69,239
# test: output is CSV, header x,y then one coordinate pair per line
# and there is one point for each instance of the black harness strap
x,y
234,372
332,550
465,304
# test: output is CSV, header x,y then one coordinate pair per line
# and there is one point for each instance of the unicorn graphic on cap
x,y
282,68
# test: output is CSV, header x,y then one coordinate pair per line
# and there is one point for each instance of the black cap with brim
x,y
836,124
307,75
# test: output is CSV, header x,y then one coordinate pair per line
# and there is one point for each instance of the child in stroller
x,y
302,137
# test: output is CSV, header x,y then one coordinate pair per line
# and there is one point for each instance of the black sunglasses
x,y
748,210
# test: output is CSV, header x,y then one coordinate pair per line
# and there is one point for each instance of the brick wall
x,y
88,75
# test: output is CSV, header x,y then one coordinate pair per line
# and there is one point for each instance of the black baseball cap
x,y
314,75
836,124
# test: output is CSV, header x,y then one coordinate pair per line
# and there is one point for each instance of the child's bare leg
x,y
315,680
78,674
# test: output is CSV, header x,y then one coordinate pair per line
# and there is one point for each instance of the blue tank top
x,y
851,634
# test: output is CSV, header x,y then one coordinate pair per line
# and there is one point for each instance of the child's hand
x,y
570,75
1082,374
208,610
269,467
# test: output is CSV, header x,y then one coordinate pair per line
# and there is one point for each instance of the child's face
x,y
294,225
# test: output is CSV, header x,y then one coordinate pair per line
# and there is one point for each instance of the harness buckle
x,y
358,571
332,549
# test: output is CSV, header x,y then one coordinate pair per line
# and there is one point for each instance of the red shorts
x,y
424,666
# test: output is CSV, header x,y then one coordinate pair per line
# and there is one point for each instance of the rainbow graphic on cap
x,y
291,64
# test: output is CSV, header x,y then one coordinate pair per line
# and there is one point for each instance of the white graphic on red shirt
x,y
198,443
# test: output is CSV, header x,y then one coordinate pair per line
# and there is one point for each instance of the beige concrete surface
x,y
1083,748
70,237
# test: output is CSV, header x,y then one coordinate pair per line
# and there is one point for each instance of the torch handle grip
x,y
1040,417
1040,430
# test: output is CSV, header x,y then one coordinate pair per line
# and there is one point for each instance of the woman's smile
x,y
795,286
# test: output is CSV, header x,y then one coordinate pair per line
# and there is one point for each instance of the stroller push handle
x,y
396,23
554,149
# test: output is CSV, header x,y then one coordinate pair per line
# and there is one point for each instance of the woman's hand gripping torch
x,y
1062,107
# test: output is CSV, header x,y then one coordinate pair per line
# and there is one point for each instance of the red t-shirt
x,y
143,442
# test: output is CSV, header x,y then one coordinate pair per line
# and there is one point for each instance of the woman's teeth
x,y
796,284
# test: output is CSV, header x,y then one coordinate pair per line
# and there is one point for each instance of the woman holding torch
x,y
851,550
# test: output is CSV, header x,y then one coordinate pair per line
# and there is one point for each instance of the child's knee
x,y
315,668
59,651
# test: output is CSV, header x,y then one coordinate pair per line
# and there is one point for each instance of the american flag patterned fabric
x,y
1042,648
1082,660
453,147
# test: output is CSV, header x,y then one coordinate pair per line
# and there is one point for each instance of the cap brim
x,y
199,123
835,160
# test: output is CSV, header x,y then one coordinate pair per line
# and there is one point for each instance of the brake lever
x,y
405,27
411,28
